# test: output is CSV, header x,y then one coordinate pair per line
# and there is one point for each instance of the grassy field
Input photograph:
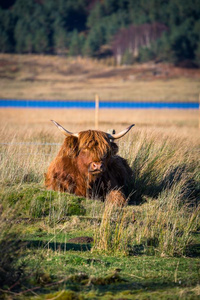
x,y
61,78
147,250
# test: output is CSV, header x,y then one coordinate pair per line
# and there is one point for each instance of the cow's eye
x,y
106,156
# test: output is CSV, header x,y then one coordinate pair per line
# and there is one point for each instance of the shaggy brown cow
x,y
87,165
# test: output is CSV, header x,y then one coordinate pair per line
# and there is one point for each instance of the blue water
x,y
91,104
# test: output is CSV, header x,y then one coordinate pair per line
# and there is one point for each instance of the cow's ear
x,y
114,148
71,146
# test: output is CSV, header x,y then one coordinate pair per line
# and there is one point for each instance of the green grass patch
x,y
34,202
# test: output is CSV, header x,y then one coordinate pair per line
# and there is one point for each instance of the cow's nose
x,y
93,166
97,166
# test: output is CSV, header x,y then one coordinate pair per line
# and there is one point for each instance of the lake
x,y
91,104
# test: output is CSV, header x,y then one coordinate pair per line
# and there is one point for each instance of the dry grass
x,y
27,122
61,78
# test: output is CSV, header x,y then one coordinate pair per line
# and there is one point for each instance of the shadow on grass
x,y
132,285
56,246
101,287
192,250
10,250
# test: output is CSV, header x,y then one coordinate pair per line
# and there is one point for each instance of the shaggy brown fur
x,y
88,166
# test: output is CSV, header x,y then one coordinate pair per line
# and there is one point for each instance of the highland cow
x,y
88,165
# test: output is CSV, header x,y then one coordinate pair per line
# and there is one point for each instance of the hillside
x,y
61,78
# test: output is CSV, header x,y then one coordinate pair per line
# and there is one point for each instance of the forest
x,y
130,31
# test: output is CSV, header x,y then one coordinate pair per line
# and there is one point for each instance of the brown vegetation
x,y
36,122
61,78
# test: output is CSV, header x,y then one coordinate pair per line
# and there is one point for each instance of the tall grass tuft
x,y
112,235
160,227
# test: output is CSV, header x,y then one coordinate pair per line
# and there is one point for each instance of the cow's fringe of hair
x,y
96,142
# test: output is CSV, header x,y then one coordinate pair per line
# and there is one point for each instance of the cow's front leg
x,y
116,197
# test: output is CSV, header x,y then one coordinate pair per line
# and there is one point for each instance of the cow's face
x,y
95,151
90,165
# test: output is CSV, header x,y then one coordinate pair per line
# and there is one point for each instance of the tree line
x,y
139,30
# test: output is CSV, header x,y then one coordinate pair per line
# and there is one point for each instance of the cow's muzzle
x,y
96,168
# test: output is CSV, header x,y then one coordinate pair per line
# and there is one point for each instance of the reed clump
x,y
112,235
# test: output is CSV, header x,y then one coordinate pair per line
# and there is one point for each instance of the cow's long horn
x,y
64,131
120,134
